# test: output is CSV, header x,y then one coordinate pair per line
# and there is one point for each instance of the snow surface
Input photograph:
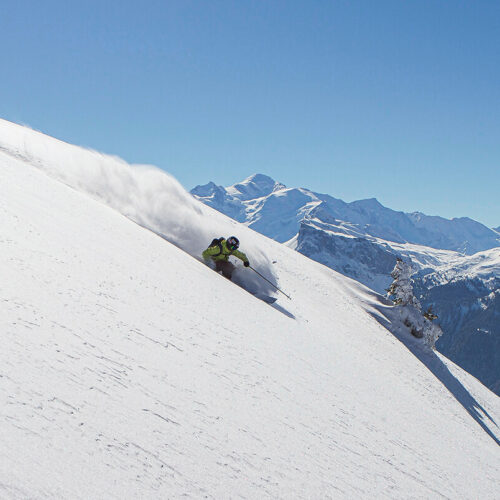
x,y
129,369
362,240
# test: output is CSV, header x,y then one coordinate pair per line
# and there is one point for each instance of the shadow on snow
x,y
437,367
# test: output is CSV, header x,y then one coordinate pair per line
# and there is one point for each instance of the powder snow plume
x,y
143,193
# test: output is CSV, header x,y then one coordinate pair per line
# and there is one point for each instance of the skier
x,y
220,250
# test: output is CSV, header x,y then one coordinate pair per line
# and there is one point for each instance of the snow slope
x,y
129,369
362,240
144,194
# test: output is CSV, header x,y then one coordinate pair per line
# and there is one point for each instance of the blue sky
x,y
398,100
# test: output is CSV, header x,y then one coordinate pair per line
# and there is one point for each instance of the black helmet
x,y
232,243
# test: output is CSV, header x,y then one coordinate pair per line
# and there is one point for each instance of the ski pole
x,y
272,284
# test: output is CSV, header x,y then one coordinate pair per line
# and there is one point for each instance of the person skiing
x,y
219,252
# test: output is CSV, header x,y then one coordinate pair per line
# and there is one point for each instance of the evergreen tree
x,y
401,293
401,289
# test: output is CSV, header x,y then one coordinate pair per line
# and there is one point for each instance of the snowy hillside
x,y
129,369
363,239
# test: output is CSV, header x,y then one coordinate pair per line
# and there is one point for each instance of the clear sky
x,y
393,99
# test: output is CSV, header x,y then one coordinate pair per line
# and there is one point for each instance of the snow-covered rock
x,y
129,369
359,258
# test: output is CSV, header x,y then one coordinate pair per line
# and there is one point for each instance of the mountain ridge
x,y
370,217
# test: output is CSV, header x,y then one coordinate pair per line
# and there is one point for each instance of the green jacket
x,y
215,253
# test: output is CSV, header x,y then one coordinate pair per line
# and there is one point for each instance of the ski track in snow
x,y
130,370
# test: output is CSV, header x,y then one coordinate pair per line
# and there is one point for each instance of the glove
x,y
246,263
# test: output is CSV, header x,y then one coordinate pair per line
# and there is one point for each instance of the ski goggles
x,y
232,243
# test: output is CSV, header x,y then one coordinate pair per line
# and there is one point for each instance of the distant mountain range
x,y
277,211
362,239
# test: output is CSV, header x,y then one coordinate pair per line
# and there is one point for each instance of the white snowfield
x,y
129,369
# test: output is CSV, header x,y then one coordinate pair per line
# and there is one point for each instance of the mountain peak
x,y
206,190
368,203
260,179
255,186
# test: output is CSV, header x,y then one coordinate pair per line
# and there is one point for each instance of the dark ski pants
x,y
225,267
